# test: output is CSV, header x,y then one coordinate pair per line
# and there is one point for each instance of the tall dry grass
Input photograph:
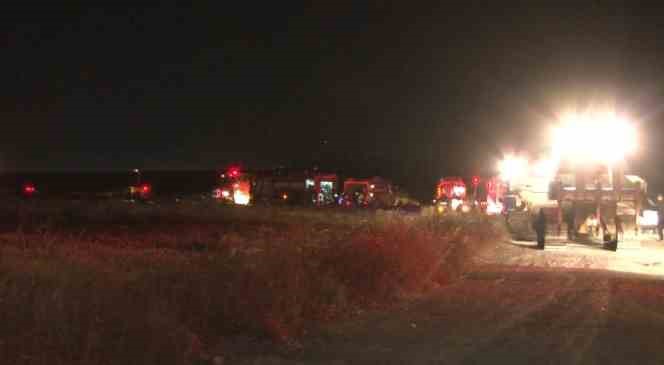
x,y
97,284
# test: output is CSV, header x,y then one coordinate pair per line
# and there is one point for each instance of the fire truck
x,y
277,186
141,192
296,187
234,187
324,188
374,192
451,195
302,187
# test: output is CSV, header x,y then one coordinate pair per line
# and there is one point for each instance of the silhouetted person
x,y
569,220
540,228
612,242
660,216
605,230
619,228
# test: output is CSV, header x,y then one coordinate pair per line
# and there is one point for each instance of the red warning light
x,y
145,189
476,180
29,189
233,172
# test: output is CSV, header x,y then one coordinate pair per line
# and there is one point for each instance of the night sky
x,y
407,89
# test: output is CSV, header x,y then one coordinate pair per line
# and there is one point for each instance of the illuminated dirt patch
x,y
631,257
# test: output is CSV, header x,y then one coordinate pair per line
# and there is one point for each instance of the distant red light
x,y
476,180
233,172
145,189
29,189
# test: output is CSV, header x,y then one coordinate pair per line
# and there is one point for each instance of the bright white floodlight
x,y
512,168
600,137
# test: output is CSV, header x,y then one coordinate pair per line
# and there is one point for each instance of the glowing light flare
x,y
225,193
594,138
493,207
592,221
512,168
650,218
545,168
240,197
29,189
459,190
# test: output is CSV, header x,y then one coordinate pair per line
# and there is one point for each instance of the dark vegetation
x,y
111,283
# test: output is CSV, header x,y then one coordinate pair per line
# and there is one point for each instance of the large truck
x,y
374,192
234,186
451,195
593,203
295,187
302,187
277,186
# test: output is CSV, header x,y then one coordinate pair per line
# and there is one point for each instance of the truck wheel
x,y
520,227
612,245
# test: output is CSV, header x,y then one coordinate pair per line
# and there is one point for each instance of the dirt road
x,y
566,305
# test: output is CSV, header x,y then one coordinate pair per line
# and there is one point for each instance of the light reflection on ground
x,y
639,256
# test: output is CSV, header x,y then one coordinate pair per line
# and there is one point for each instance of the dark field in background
x,y
66,184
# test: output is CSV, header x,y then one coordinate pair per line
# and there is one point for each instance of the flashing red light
x,y
145,189
29,189
234,172
476,180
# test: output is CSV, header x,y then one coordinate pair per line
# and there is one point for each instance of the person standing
x,y
540,228
619,228
660,216
569,221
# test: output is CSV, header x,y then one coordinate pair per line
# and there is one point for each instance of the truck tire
x,y
611,245
520,227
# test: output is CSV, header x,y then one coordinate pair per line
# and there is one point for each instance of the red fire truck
x,y
277,186
451,195
373,192
234,187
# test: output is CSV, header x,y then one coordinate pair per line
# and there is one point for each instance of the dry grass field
x,y
117,283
